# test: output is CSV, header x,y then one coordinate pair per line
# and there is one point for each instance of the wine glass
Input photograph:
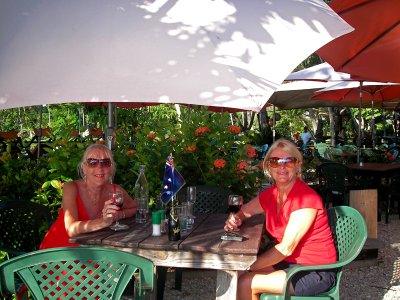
x,y
235,203
118,200
191,199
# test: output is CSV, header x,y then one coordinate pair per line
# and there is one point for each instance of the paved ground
x,y
376,279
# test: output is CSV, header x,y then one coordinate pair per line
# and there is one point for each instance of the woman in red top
x,y
86,205
297,220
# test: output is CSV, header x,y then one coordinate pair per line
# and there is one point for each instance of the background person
x,y
86,203
298,222
305,138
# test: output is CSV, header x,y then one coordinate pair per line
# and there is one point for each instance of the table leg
x,y
226,284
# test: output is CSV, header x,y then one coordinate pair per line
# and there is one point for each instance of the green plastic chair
x,y
78,273
349,233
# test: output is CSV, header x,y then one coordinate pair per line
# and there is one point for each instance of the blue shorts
x,y
309,283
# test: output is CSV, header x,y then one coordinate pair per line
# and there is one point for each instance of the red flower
x,y
219,163
251,152
151,136
130,152
234,129
192,148
242,165
201,130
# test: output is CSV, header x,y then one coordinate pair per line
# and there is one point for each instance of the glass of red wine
x,y
118,200
235,203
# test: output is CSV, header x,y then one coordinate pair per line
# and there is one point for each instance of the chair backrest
x,y
20,225
349,232
209,199
77,273
333,176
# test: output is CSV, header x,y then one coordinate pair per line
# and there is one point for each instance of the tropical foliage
x,y
207,149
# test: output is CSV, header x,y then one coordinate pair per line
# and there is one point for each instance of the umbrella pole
x,y
110,131
373,123
359,125
39,131
273,124
110,114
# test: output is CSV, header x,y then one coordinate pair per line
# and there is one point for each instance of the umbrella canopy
x,y
359,92
298,94
299,91
214,53
144,104
321,72
349,91
372,50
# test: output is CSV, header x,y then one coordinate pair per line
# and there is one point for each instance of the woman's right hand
x,y
233,222
110,210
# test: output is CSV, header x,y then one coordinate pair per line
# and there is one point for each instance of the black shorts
x,y
309,283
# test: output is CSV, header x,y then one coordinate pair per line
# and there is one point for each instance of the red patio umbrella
x,y
360,92
372,50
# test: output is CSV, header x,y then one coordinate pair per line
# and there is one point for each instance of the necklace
x,y
92,198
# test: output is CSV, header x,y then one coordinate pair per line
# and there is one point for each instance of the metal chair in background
x,y
211,199
335,182
22,224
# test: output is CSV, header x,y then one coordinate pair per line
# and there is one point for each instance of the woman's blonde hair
x,y
287,146
88,152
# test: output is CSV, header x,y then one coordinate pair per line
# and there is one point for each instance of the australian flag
x,y
172,181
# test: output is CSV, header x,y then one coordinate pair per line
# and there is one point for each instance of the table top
x,y
376,167
200,247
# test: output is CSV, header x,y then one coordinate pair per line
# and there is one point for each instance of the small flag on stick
x,y
172,181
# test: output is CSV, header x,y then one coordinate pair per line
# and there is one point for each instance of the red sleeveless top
x,y
57,235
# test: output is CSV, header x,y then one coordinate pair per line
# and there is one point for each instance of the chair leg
x,y
178,279
387,210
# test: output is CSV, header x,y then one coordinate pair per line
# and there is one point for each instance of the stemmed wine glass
x,y
235,203
191,199
118,200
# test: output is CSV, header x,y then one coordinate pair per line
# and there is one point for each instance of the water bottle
x,y
142,196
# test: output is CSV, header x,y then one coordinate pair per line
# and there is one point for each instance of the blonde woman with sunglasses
x,y
86,205
298,222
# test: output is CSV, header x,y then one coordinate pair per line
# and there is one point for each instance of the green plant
x,y
206,150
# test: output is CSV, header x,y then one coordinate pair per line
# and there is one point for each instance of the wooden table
x,y
200,248
373,174
380,170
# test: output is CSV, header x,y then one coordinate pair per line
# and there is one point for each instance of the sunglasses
x,y
276,162
94,162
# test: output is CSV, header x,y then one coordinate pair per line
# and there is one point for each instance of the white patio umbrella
x,y
320,72
210,52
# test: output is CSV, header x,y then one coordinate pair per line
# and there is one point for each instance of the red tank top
x,y
57,235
